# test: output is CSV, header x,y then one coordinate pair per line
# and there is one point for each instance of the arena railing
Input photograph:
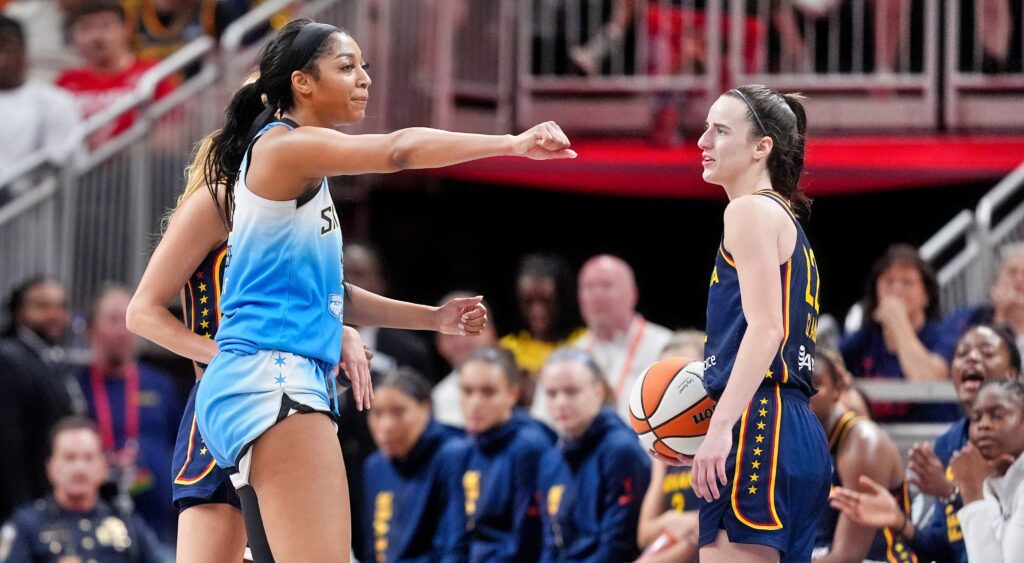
x,y
955,251
89,217
867,64
983,90
1000,219
576,60
447,64
95,216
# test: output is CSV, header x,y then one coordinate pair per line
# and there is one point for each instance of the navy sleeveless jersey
x,y
794,363
677,490
201,301
887,545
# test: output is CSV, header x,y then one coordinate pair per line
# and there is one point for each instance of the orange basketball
x,y
669,408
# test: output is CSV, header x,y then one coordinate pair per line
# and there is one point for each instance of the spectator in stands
x,y
1007,299
827,20
110,69
75,523
668,531
997,25
985,353
990,475
903,337
42,114
36,387
411,483
137,409
46,42
498,467
456,350
621,341
547,317
161,27
859,447
546,306
592,484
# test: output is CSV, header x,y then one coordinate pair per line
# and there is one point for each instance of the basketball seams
x,y
661,391
660,394
691,408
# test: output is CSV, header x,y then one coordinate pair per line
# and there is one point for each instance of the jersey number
x,y
678,502
812,274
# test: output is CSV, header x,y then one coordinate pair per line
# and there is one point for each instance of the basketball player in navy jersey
x,y
763,470
859,448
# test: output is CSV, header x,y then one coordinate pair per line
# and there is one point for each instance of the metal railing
x,y
846,57
96,217
869,64
90,219
984,70
599,56
965,251
955,251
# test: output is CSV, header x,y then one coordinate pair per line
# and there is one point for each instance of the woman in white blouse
x,y
990,471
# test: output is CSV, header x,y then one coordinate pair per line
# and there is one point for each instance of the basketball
x,y
669,408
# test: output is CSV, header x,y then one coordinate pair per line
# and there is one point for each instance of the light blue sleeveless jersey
x,y
283,281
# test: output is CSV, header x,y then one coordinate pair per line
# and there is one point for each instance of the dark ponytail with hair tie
x,y
783,118
296,46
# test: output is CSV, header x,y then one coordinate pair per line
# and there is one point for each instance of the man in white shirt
x,y
622,342
35,115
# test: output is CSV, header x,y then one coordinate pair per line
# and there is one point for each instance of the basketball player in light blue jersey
x,y
283,304
190,261
763,470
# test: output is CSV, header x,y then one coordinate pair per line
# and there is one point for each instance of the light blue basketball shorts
x,y
242,395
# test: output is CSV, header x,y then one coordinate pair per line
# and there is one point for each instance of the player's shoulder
x,y
867,443
753,207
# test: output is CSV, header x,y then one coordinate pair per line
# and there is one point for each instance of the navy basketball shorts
x,y
195,477
779,477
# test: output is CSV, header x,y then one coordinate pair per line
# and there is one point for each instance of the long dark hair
x,y
907,255
783,118
259,101
565,317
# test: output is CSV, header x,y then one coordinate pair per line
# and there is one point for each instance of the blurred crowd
x,y
514,443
